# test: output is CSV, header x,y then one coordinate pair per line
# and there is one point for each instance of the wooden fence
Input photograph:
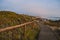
x,y
8,29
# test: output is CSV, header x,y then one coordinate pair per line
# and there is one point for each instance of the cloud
x,y
36,10
33,7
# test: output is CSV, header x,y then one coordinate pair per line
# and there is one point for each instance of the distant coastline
x,y
53,18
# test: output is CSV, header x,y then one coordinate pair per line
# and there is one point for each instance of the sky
x,y
43,8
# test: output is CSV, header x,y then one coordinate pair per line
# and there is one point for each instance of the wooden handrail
x,y
17,26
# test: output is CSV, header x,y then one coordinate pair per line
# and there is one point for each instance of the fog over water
x,y
53,18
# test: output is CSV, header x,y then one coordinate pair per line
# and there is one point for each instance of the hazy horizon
x,y
44,8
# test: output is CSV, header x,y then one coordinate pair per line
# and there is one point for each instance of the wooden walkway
x,y
46,34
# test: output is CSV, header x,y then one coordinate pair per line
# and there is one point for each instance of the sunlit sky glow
x,y
45,8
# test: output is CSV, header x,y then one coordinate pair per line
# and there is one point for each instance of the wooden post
x,y
25,32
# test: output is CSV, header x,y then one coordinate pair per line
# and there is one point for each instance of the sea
x,y
53,18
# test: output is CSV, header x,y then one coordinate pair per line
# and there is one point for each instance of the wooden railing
x,y
17,26
9,33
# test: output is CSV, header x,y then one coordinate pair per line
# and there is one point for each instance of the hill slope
x,y
8,18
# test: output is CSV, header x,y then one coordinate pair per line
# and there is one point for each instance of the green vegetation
x,y
8,19
53,23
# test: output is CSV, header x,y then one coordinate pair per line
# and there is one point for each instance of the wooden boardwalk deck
x,y
46,34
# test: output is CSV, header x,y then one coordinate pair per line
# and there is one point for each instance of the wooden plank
x,y
17,26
